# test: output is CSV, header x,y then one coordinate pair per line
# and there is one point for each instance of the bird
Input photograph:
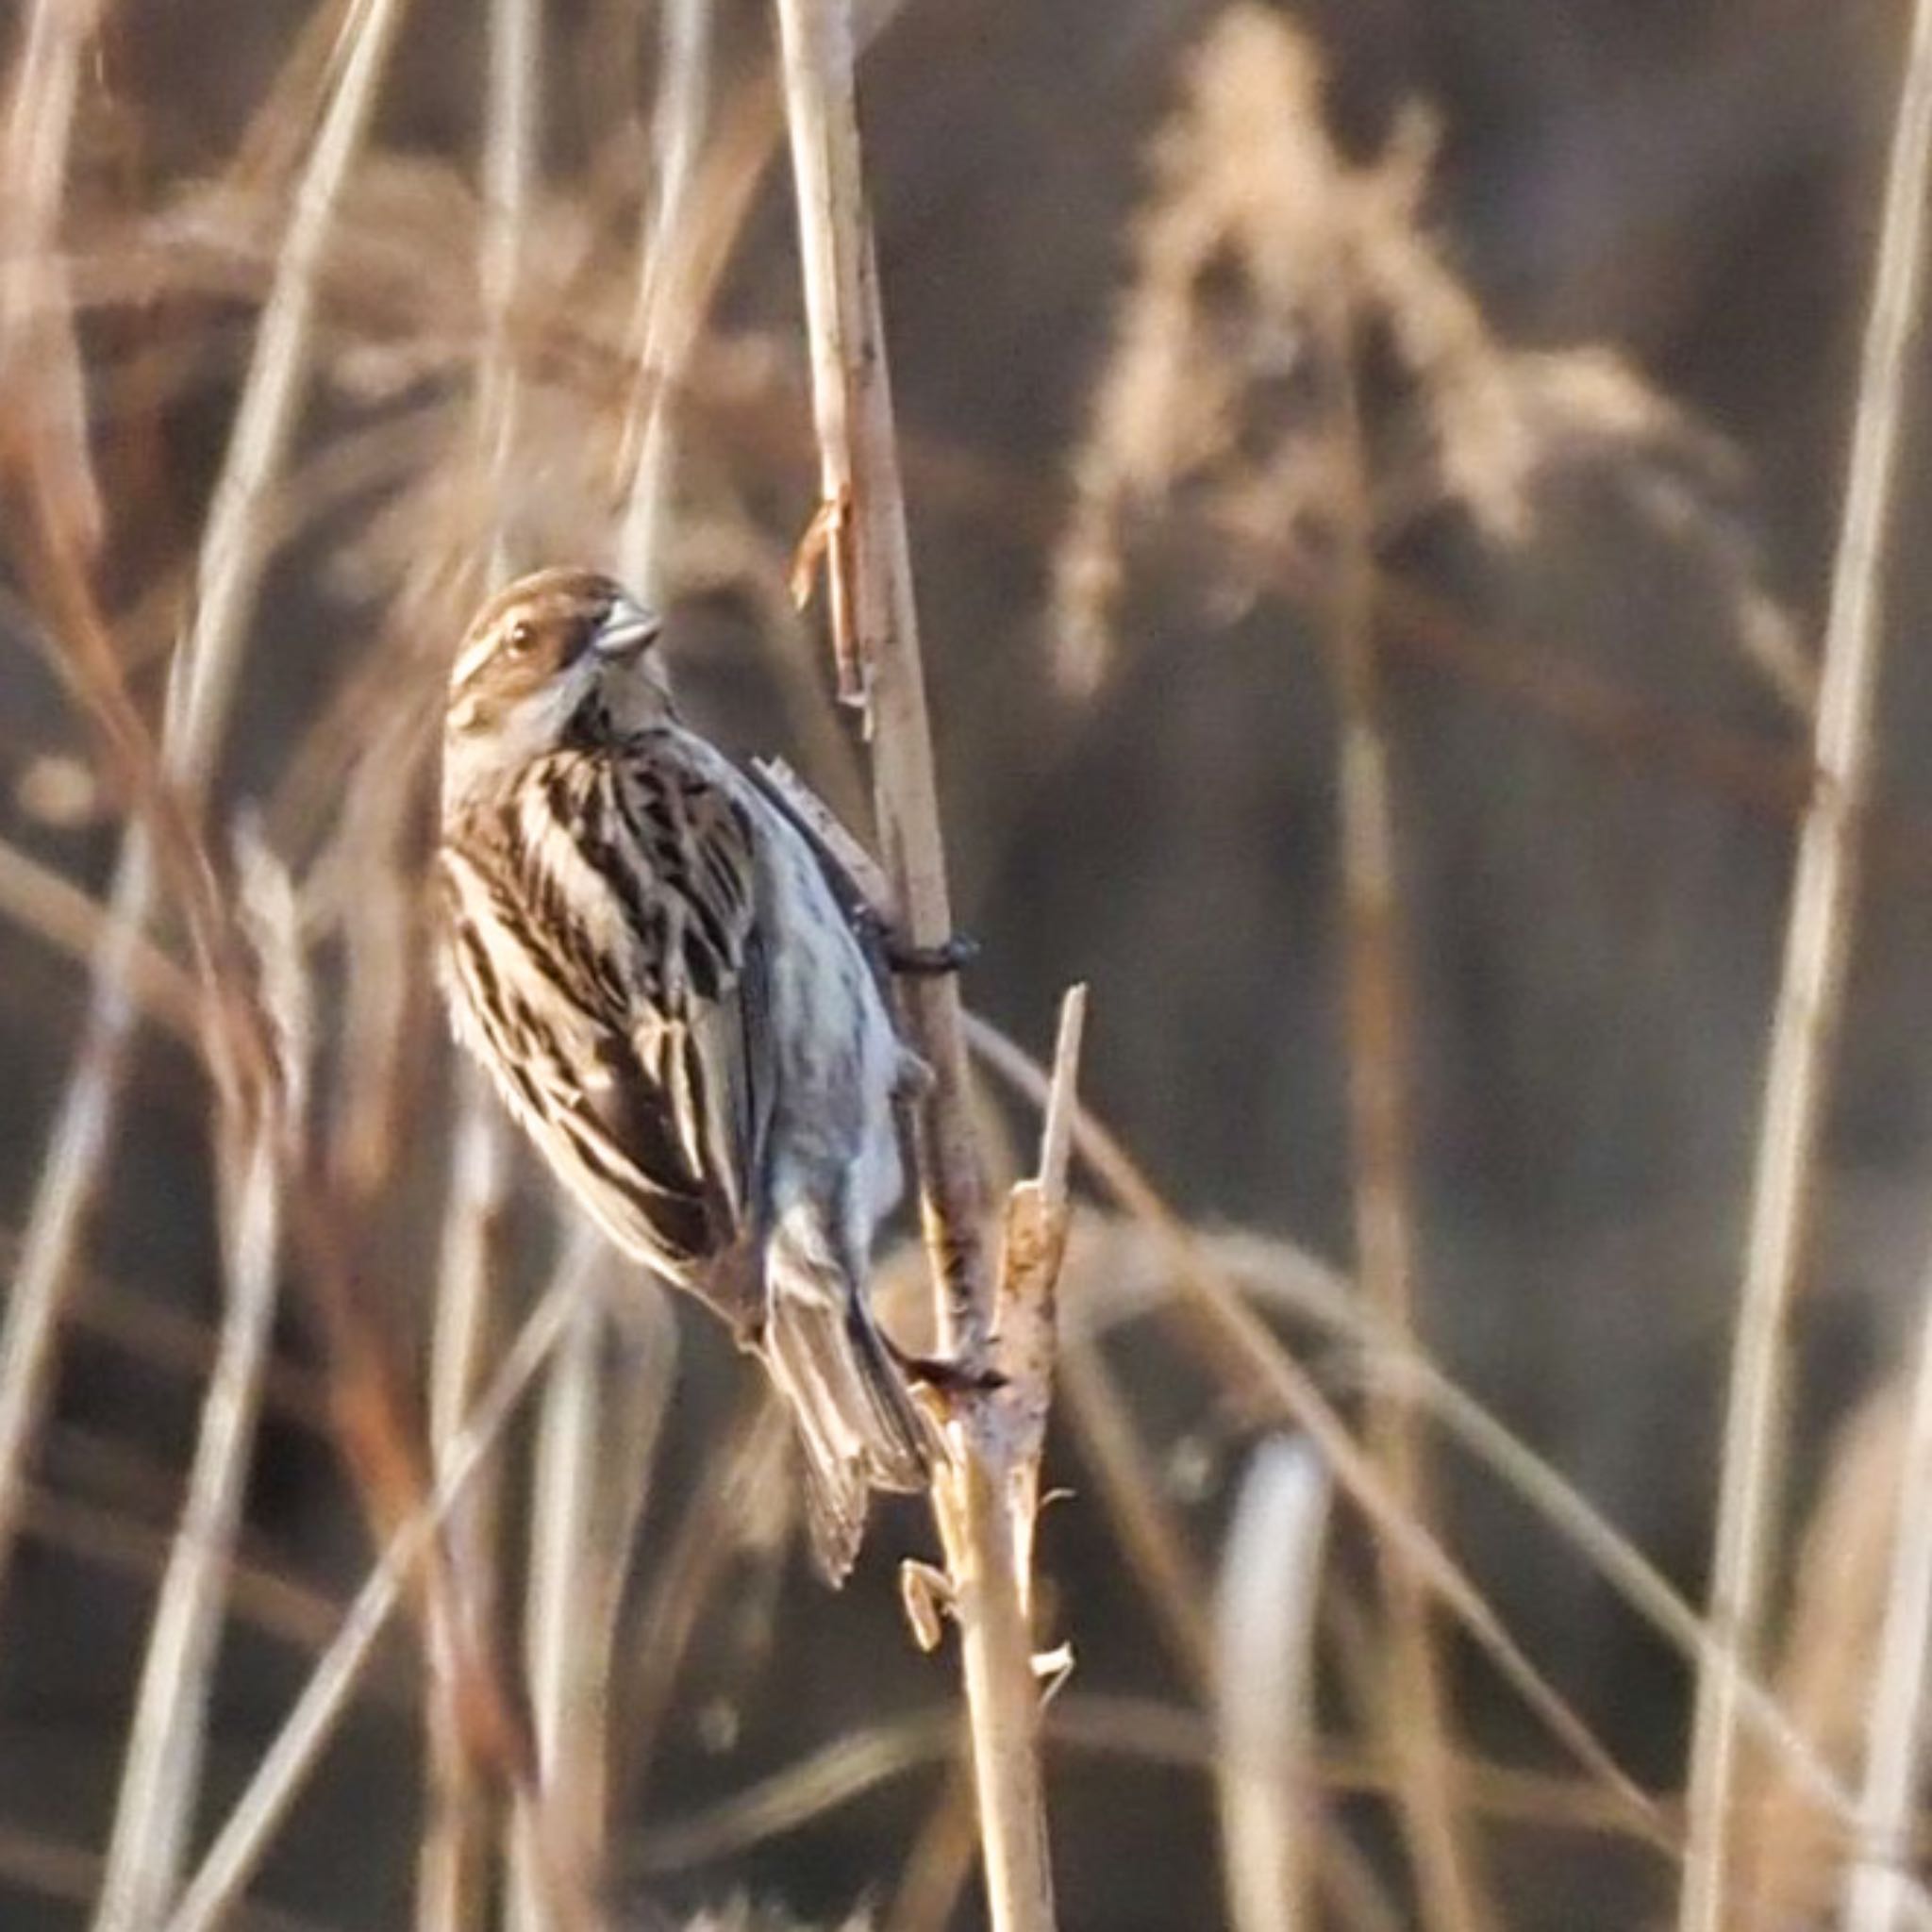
x,y
647,953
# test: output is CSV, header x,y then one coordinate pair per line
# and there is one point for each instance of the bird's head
x,y
557,653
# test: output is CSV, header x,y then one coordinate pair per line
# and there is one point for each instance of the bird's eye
x,y
522,635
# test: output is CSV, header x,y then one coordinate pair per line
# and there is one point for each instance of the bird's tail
x,y
858,1424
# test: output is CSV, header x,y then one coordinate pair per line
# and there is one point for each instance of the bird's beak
x,y
626,630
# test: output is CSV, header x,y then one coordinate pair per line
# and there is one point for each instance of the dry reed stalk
x,y
42,379
257,1596
834,1774
1140,1729
606,1392
1450,1885
1265,1378
453,1862
603,1404
204,675
244,1836
1790,1850
452,1870
875,634
162,1779
1877,1888
179,1343
242,1055
1200,1270
1033,1246
609,1390
666,328
1264,1715
1810,1001
41,901
69,1874
567,1719
512,145
1212,1275
283,125
1132,1490
940,1864
1353,1888
743,1486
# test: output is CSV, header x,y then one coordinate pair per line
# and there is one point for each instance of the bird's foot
x,y
953,1380
928,962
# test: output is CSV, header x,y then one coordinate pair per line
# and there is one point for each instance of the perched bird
x,y
645,952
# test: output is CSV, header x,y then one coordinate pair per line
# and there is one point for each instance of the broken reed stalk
x,y
1810,1001
876,631
1033,1244
1267,1378
202,680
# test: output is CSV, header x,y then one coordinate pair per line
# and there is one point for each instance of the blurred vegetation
x,y
1595,274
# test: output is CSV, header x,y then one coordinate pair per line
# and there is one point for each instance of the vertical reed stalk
x,y
1414,1715
453,1872
665,328
603,1404
1810,1001
161,1779
876,629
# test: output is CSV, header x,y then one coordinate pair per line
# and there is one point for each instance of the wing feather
x,y
603,946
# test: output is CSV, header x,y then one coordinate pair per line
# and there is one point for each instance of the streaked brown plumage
x,y
645,953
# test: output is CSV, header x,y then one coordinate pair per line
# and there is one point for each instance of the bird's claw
x,y
953,1380
925,1593
928,962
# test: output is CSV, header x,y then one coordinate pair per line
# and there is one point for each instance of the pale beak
x,y
627,628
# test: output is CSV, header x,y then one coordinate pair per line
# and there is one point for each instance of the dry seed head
x,y
1261,254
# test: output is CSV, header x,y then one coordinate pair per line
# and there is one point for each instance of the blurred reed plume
x,y
1252,224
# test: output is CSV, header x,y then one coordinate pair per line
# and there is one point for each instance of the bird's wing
x,y
697,1001
617,982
